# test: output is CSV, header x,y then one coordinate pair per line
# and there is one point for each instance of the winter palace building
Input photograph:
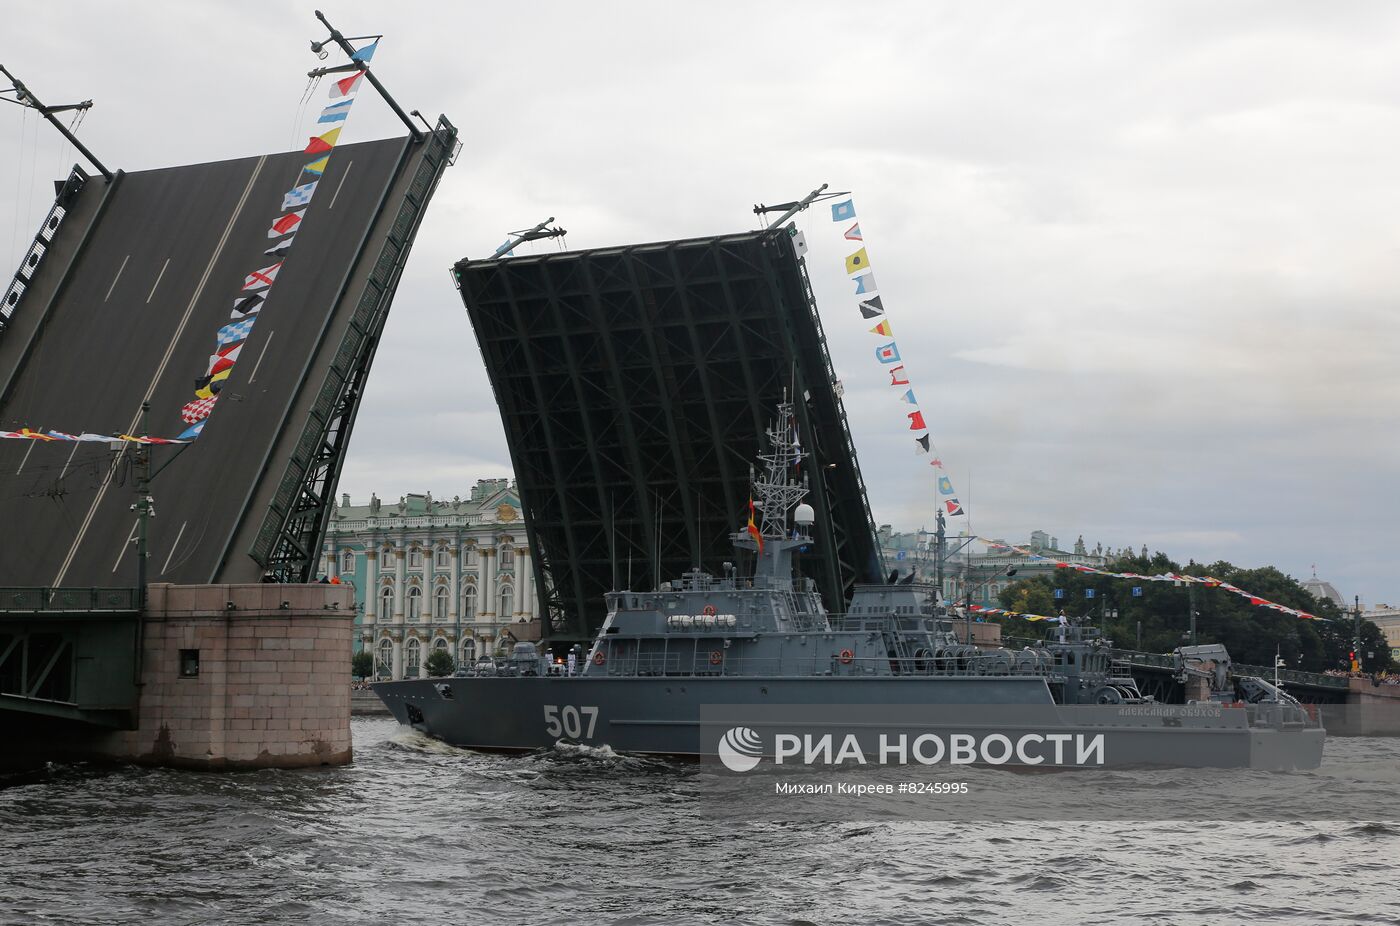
x,y
434,575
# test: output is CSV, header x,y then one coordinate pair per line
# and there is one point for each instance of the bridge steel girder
x,y
634,384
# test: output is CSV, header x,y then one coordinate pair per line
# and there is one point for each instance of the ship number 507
x,y
569,721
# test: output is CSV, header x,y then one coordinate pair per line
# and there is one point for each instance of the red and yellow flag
x,y
753,528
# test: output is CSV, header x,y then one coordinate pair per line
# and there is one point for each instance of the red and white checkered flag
x,y
198,410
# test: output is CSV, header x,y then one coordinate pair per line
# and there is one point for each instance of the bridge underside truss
x,y
634,384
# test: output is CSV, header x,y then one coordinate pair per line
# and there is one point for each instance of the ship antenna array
x,y
356,65
25,97
516,238
775,492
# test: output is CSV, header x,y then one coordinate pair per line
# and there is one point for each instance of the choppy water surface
x,y
417,832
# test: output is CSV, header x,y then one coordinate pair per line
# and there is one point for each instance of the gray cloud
x,y
1140,258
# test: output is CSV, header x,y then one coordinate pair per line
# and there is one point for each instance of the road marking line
x,y
159,277
340,184
173,548
160,371
26,454
260,357
129,537
70,461
116,278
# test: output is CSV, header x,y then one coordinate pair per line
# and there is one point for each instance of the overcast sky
x,y
1141,259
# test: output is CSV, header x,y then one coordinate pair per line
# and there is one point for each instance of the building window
x,y
413,658
386,558
440,603
507,602
347,561
468,651
386,602
469,603
386,658
442,559
506,558
415,558
441,644
415,603
189,663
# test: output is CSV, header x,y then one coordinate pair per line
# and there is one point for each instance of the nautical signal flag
x,y
247,305
259,279
872,307
954,507
224,359
364,54
346,85
908,398
916,421
888,353
317,167
923,443
336,112
197,410
936,462
897,377
192,433
753,528
323,142
238,331
945,485
299,195
281,248
857,262
865,284
209,386
842,211
285,224
853,233
883,329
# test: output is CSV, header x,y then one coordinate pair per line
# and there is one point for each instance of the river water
x,y
418,832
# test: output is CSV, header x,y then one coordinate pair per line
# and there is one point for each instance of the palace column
x,y
371,590
454,597
524,583
486,589
398,656
426,615
400,580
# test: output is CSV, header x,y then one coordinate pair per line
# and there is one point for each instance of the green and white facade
x,y
450,575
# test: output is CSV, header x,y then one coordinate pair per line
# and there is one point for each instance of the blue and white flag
x,y
865,284
909,397
193,431
336,112
843,211
299,196
366,53
238,331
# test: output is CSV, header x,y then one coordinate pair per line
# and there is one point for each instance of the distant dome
x,y
1321,589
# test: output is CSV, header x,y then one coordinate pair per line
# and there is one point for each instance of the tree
x,y
362,665
440,663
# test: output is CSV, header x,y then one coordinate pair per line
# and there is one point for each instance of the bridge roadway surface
x,y
138,314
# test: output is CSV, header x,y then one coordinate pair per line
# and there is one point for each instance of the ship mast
x,y
775,494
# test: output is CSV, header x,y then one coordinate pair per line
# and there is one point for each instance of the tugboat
x,y
678,670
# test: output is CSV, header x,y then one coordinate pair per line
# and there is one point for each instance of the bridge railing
x,y
34,600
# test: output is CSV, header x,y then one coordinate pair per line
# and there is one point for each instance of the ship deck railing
x,y
718,663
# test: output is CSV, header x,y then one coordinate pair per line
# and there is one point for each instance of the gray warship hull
x,y
675,717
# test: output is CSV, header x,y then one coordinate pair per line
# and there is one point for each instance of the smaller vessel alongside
x,y
676,670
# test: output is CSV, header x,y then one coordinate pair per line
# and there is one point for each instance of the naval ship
x,y
749,664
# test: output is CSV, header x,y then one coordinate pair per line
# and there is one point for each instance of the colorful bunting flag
x,y
945,485
197,410
238,331
916,421
888,353
954,507
865,284
299,195
192,433
285,224
909,397
336,112
363,55
857,262
753,528
936,462
317,167
883,329
853,233
897,378
281,248
261,279
840,211
346,85
923,443
323,142
224,358
247,305
872,308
